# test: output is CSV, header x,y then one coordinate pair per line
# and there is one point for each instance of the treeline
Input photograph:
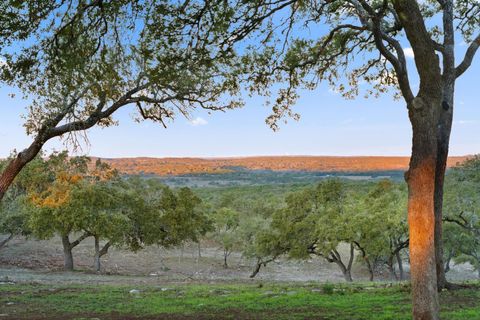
x,y
64,196
71,196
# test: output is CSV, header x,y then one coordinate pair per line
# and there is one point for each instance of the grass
x,y
226,301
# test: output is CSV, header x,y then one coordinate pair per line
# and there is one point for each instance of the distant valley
x,y
183,166
266,170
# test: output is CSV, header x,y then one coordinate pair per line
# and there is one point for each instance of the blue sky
x,y
329,125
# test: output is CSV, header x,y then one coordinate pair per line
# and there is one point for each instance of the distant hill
x,y
183,166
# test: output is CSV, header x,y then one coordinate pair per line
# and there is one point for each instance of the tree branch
x,y
467,60
80,239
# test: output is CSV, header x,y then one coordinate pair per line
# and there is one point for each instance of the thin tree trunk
x,y
400,265
391,269
367,261
4,242
261,263
225,257
99,253
447,261
421,214
346,269
96,259
67,253
257,268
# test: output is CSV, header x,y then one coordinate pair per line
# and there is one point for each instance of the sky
x,y
329,125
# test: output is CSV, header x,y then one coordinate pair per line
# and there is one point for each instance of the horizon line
x,y
270,156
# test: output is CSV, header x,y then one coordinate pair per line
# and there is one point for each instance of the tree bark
x,y
447,262
225,257
346,269
366,259
99,253
400,265
67,253
421,214
391,268
96,259
444,129
68,247
16,165
4,242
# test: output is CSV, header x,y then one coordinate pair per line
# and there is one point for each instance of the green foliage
x,y
328,288
462,212
316,220
14,213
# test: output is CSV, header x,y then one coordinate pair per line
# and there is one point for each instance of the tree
x,y
14,212
162,216
99,205
362,40
462,207
226,227
80,62
383,225
54,206
313,222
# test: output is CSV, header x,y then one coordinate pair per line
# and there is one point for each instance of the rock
x,y
134,291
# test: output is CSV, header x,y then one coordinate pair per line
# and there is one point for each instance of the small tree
x,y
313,222
384,226
54,207
226,223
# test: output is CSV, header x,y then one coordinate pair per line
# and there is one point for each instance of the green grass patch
x,y
224,301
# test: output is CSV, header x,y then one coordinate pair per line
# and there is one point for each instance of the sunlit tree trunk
x,y
423,113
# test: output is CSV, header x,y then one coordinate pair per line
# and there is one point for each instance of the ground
x,y
45,260
225,301
178,284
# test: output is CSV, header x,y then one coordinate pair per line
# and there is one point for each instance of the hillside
x,y
182,166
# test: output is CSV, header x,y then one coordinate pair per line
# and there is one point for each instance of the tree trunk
x,y
366,259
444,128
447,262
400,265
16,165
4,242
391,269
67,253
96,259
225,256
421,214
348,275
99,253
257,268
346,270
